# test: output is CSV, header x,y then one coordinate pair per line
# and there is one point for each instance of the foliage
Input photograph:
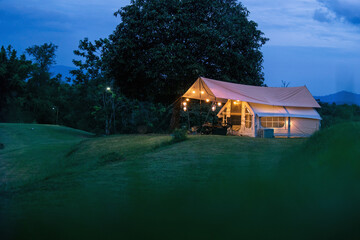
x,y
179,135
14,71
43,55
333,114
162,46
198,113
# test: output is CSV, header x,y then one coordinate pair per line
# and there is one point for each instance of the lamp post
x,y
57,114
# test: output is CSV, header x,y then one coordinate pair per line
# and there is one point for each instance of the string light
x,y
185,109
194,92
207,100
219,104
202,92
213,108
187,99
184,103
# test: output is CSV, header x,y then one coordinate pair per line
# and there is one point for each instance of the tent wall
x,y
303,127
299,127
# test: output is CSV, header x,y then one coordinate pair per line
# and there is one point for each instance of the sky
x,y
312,42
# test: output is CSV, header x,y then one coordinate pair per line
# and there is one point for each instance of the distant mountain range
x,y
63,70
339,98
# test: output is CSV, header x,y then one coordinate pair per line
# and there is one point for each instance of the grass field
x,y
58,182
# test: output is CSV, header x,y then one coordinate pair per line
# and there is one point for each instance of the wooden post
x,y
242,116
289,132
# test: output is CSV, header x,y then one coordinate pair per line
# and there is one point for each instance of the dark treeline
x,y
128,81
29,93
333,114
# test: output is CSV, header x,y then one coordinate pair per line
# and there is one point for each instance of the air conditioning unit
x,y
265,133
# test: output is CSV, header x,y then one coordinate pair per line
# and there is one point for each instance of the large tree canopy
x,y
162,46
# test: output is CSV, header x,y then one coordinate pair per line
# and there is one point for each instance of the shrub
x,y
179,135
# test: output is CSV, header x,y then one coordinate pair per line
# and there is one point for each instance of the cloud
x,y
324,15
344,10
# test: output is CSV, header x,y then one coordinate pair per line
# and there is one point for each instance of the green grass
x,y
61,182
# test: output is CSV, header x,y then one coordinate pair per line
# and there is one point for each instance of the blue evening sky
x,y
312,42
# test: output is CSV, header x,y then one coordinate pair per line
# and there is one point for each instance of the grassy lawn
x,y
66,183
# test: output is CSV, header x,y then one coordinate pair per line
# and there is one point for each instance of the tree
x,y
43,55
14,71
43,90
162,46
95,88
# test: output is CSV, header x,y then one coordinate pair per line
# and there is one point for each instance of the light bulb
x,y
219,104
207,100
213,108
202,92
184,103
185,109
193,92
187,99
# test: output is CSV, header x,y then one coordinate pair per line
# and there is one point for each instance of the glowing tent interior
x,y
290,111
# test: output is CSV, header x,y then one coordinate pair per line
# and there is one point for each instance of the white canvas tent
x,y
289,111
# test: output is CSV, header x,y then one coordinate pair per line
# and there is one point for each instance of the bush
x,y
179,135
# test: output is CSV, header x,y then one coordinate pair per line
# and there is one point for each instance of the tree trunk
x,y
175,117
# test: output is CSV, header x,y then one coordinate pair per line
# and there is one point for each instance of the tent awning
x,y
215,90
263,110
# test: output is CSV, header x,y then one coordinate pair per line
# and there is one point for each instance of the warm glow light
x,y
187,99
219,104
213,108
193,92
235,103
207,100
185,109
184,103
202,92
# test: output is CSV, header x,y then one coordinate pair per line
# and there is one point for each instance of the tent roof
x,y
205,88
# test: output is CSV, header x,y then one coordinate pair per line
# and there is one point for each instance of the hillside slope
x,y
207,187
339,98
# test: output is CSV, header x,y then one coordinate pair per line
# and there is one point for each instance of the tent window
x,y
235,120
272,122
248,118
235,107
